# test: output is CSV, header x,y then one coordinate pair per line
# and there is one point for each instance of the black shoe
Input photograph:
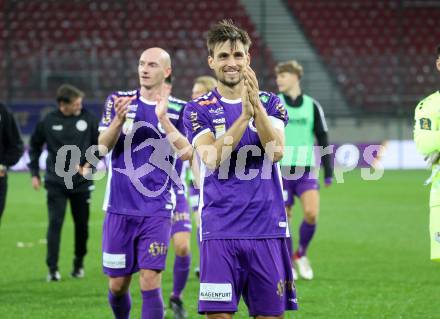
x,y
78,273
53,276
197,272
176,305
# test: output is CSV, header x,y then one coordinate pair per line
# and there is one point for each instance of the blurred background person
x,y
11,149
69,124
306,123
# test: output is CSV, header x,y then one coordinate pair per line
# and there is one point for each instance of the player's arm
x,y
210,149
270,130
177,140
36,143
426,134
14,144
107,138
320,130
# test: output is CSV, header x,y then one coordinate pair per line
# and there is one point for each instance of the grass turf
x,y
370,256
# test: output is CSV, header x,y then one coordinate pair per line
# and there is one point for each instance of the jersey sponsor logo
x,y
114,261
282,224
285,285
219,130
215,292
57,127
219,121
217,111
425,123
193,118
158,249
81,125
264,97
207,102
108,112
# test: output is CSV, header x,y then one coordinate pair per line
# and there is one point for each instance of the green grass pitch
x,y
370,256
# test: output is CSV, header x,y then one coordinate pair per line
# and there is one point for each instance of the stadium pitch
x,y
370,256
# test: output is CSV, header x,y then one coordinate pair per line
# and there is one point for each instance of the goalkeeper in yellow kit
x,y
427,138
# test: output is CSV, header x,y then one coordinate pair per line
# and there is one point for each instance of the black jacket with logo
x,y
11,144
57,130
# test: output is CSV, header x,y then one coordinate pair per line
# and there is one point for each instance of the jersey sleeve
x,y
196,121
108,113
426,127
276,111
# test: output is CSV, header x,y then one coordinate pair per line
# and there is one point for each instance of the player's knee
x,y
149,279
182,248
311,216
118,287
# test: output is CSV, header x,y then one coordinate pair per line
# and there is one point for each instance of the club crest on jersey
x,y
81,125
425,123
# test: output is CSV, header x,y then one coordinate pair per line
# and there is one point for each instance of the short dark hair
x,y
225,30
438,51
67,93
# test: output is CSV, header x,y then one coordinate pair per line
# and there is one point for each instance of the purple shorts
x,y
296,187
130,243
181,217
194,196
260,270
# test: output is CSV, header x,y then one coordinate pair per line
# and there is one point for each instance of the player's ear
x,y
248,59
167,72
211,62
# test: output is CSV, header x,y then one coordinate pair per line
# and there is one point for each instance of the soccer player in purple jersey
x,y
202,85
141,128
180,235
238,133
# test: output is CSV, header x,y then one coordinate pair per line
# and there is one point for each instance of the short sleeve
x,y
276,111
196,122
108,113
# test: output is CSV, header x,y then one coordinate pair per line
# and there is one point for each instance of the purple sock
x,y
152,304
120,305
306,232
181,273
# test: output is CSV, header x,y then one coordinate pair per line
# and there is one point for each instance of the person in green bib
x,y
427,139
298,166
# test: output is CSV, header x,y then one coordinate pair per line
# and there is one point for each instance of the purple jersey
x,y
180,192
234,204
141,169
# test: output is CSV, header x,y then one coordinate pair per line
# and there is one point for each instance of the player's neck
x,y
230,93
150,94
294,93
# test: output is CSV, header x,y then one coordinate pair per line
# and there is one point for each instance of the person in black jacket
x,y
11,149
77,129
